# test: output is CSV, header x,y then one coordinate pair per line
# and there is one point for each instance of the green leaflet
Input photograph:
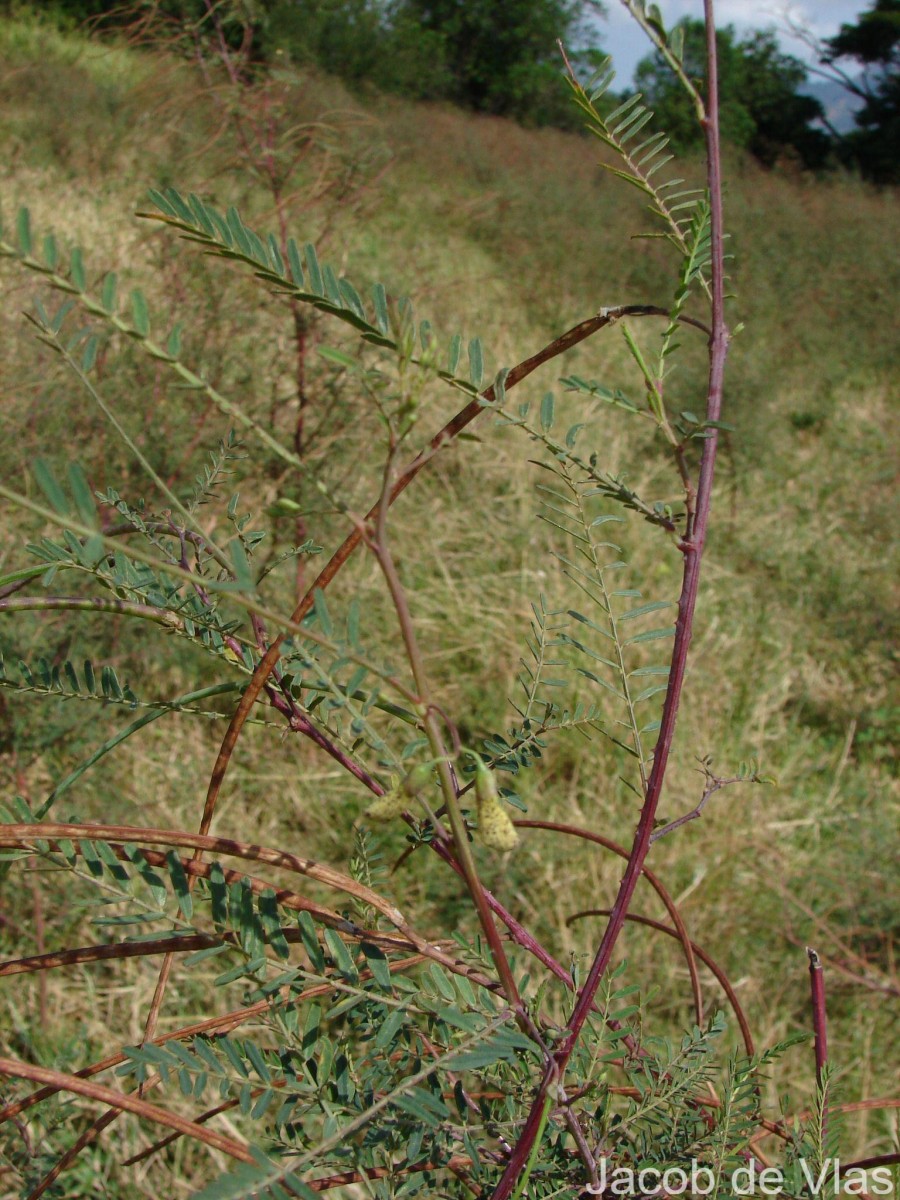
x,y
589,568
140,313
641,161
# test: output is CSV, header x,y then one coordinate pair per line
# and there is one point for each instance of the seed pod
x,y
385,808
486,791
496,830
495,827
417,780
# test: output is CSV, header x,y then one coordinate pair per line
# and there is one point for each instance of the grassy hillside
x,y
514,235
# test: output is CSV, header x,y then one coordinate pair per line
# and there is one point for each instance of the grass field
x,y
515,235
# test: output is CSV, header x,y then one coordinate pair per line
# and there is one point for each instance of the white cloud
x,y
628,45
823,17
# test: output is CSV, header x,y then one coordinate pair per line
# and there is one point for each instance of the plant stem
x,y
820,1026
163,616
820,1017
529,1166
381,550
692,548
265,667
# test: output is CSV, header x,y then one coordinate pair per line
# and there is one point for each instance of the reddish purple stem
x,y
820,1017
692,548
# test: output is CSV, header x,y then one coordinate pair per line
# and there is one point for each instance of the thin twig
x,y
127,1103
381,549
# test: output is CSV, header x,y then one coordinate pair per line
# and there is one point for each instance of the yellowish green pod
x,y
417,780
385,808
496,830
495,827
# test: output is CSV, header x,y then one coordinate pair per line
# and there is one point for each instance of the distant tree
x,y
343,37
874,42
873,39
492,57
762,109
502,58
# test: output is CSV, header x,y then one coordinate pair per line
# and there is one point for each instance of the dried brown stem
x,y
223,1023
60,1081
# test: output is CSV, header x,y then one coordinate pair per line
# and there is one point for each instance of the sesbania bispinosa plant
x,y
351,1044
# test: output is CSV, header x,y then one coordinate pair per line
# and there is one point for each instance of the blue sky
x,y
622,38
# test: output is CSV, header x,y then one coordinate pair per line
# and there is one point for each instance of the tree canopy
x,y
501,58
873,41
494,58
